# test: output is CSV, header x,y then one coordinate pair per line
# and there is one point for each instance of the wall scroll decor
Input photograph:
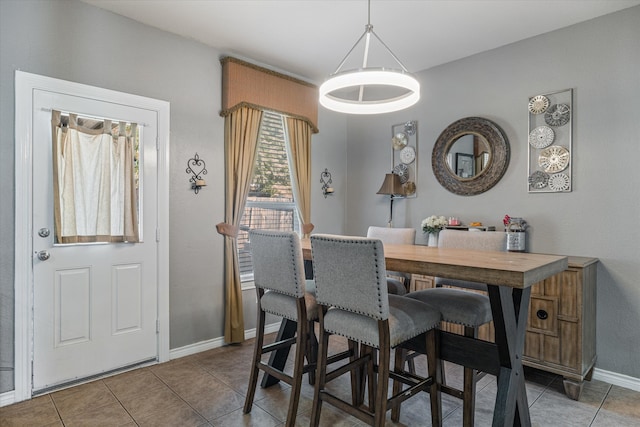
x,y
325,180
404,153
550,142
196,167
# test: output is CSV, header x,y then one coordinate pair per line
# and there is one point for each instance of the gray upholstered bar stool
x,y
283,291
399,284
351,292
462,307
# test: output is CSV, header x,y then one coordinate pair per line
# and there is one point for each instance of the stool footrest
x,y
278,345
408,392
359,413
348,367
276,373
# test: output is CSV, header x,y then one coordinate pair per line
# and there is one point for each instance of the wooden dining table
x,y
509,277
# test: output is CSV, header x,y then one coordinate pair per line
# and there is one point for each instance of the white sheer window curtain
x,y
95,195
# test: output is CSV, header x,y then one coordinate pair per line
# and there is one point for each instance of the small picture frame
x,y
465,165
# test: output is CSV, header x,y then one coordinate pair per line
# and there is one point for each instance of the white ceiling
x,y
309,38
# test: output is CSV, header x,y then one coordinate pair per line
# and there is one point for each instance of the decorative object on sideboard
x,y
400,89
454,221
485,142
325,180
404,153
432,226
391,186
196,167
516,229
550,142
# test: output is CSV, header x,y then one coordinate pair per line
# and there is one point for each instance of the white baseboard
x,y
7,398
617,379
201,346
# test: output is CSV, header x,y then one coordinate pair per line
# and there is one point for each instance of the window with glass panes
x,y
270,204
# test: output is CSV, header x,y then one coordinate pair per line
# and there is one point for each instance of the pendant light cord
x,y
368,30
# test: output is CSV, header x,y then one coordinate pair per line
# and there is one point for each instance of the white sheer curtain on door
x,y
95,196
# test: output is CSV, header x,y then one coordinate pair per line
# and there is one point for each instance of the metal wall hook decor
x,y
196,167
325,180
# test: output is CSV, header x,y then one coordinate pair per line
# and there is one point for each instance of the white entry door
x,y
95,306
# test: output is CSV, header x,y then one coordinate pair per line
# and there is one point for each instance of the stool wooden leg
x,y
357,381
469,388
312,351
371,375
468,398
257,354
298,369
434,369
400,358
320,373
382,386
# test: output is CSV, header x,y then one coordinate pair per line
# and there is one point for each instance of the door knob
x,y
43,255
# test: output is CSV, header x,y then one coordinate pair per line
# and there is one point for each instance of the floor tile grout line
x,y
97,406
53,401
606,395
546,388
213,374
208,421
232,388
120,403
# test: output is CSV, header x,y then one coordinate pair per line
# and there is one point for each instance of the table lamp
x,y
393,187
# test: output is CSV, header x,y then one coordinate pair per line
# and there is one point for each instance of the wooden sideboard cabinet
x,y
561,330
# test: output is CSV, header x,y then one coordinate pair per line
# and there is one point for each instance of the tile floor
x,y
207,389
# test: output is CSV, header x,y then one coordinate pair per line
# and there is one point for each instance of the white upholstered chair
x,y
399,284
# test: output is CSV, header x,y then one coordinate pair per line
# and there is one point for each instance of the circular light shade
x,y
369,79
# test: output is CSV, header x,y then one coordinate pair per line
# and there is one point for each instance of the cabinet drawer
x,y
543,315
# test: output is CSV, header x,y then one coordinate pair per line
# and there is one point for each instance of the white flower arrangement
x,y
434,224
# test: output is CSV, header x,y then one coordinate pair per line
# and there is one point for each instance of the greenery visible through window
x,y
270,204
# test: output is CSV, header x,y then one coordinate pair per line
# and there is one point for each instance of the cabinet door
x,y
554,329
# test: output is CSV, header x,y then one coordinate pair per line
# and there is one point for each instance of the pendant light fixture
x,y
369,90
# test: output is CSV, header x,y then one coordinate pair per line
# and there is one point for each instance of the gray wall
x,y
600,60
73,41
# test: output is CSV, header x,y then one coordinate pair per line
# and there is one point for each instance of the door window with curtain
x,y
96,179
270,204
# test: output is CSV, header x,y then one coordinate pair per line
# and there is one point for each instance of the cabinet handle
x,y
542,315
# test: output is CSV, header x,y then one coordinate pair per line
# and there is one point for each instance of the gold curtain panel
x,y
245,84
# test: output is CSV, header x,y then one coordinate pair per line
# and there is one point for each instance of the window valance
x,y
245,84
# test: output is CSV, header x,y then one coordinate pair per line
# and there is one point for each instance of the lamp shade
x,y
392,185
